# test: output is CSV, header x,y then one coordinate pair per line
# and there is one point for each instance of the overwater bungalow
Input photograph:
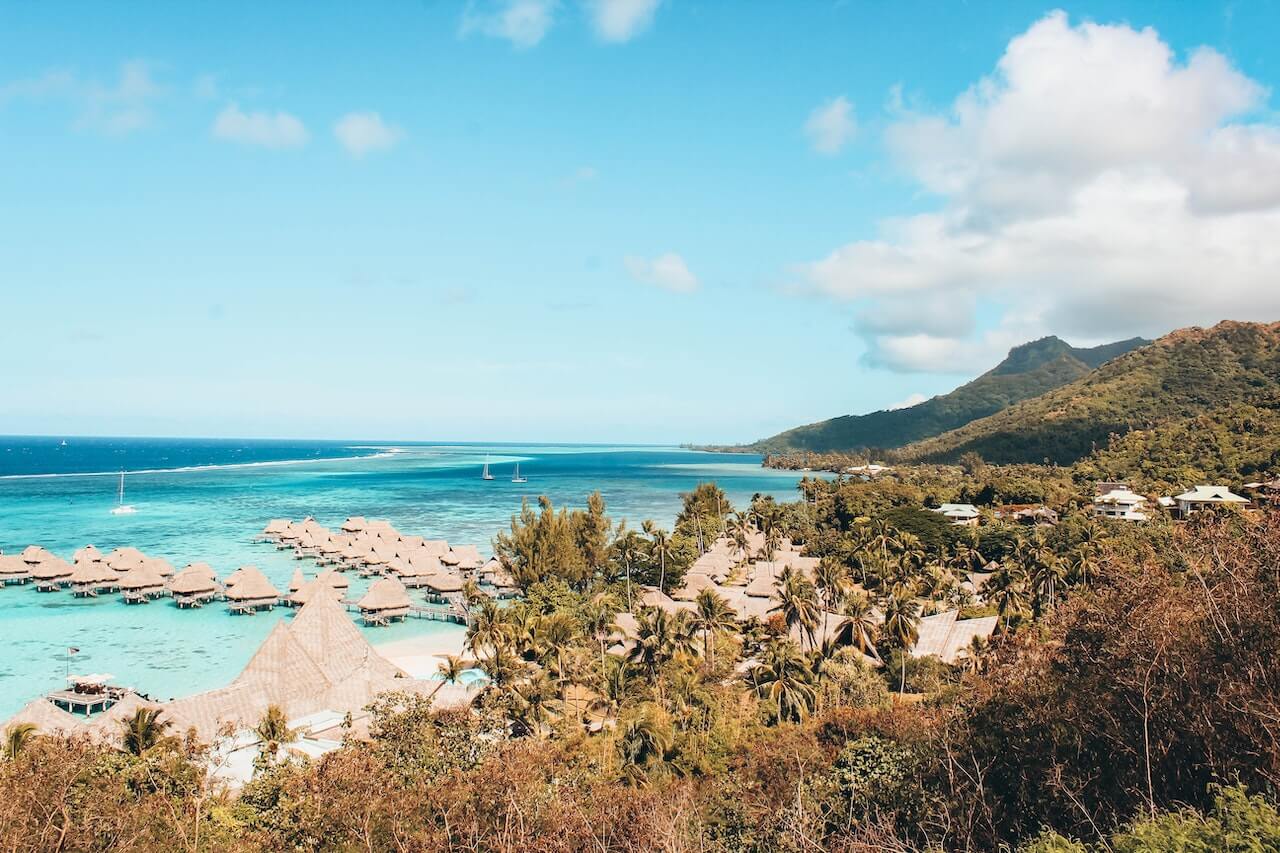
x,y
160,566
13,569
251,592
90,577
51,573
328,582
441,586
274,528
194,586
88,694
88,552
465,557
385,601
124,559
141,584
354,524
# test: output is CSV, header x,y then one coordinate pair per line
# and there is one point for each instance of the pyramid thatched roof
x,y
296,582
354,524
192,581
93,572
33,554
52,567
251,585
12,564
140,578
124,559
202,569
88,552
47,717
385,594
443,582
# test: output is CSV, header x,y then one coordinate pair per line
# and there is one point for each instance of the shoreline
x,y
420,656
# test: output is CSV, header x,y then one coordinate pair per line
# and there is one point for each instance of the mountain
x,y
1029,370
1185,374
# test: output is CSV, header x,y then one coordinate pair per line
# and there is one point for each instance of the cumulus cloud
x,y
362,133
831,125
1093,186
667,271
262,128
524,23
115,107
621,20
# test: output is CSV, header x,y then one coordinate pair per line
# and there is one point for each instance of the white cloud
x,y
667,271
364,132
114,108
912,400
831,125
621,20
1093,186
524,23
265,129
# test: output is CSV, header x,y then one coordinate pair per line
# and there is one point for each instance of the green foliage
x,y
1028,371
1183,375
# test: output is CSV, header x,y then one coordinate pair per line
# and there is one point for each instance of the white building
x,y
1116,500
965,515
1205,497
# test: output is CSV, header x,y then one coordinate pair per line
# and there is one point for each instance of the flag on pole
x,y
72,650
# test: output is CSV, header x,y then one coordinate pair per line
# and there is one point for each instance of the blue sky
x,y
615,220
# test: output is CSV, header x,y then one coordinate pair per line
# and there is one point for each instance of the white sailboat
x,y
122,508
515,476
485,475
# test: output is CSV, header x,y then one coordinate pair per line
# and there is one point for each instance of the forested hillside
x,y
1185,374
1029,370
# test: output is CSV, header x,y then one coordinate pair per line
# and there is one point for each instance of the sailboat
x,y
516,478
122,508
485,475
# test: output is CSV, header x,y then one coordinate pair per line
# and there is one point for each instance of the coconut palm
x,y
598,621
772,541
662,551
713,616
798,602
530,706
642,745
1049,575
272,731
859,618
785,680
628,545
143,730
1007,589
901,616
450,671
655,640
1082,565
16,738
832,581
488,629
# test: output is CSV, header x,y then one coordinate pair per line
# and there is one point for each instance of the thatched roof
x,y
12,564
693,584
464,557
33,554
92,572
385,594
192,581
296,582
443,582
52,567
140,578
88,552
276,526
160,566
124,559
47,717
202,569
354,524
251,585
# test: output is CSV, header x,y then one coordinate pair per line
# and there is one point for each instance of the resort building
x,y
194,586
1264,493
13,569
141,584
1118,501
1029,515
964,515
248,590
386,601
92,576
1206,497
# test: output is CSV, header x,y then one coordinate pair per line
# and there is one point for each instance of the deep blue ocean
x,y
206,499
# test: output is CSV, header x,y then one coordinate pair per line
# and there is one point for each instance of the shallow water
x,y
212,514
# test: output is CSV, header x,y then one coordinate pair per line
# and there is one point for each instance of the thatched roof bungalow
x,y
386,600
90,577
193,586
51,573
13,569
141,584
251,591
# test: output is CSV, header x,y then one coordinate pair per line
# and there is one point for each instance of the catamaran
x,y
122,508
485,475
516,478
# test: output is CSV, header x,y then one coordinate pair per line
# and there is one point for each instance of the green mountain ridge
x,y
1183,375
1029,370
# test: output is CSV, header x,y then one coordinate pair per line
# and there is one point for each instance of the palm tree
x,y
785,680
1049,573
1007,589
273,730
772,541
642,743
901,615
450,671
16,738
502,666
143,730
797,602
883,537
628,551
1083,566
859,618
553,635
488,628
597,619
713,616
662,550
832,581
655,640
530,706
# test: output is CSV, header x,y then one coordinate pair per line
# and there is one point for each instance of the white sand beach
x,y
420,656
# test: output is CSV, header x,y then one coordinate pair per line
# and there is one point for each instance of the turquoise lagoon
x,y
206,500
